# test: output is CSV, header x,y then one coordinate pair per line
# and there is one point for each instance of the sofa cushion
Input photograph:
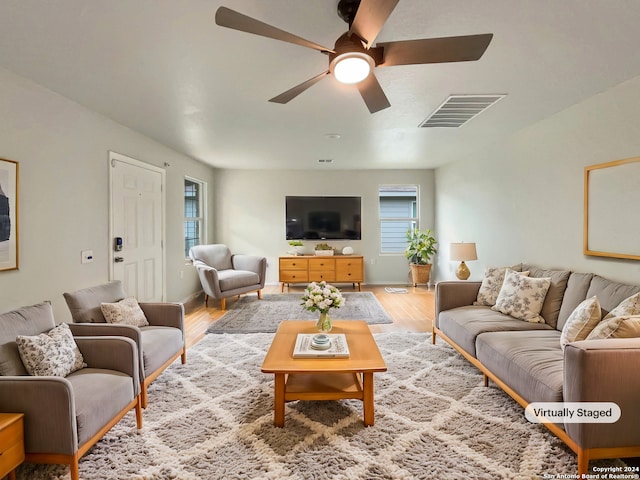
x,y
159,344
553,301
629,306
522,297
617,327
85,304
91,386
126,312
232,279
464,324
31,320
583,319
54,353
491,285
530,362
576,292
610,294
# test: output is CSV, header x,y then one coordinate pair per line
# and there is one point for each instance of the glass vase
x,y
324,323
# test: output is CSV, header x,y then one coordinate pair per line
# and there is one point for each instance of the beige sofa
x,y
526,359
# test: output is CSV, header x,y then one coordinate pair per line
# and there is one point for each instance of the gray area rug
x,y
250,315
212,419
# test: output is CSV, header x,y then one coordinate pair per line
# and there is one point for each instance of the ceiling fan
x,y
353,57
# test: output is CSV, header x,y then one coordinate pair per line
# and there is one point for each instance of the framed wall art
x,y
612,209
8,215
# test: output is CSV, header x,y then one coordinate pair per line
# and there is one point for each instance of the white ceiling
x,y
165,69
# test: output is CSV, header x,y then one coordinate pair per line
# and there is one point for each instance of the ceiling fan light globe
x,y
352,68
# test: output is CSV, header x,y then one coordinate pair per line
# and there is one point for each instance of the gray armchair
x,y
65,416
224,275
159,344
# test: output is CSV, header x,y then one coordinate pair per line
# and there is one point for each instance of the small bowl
x,y
320,339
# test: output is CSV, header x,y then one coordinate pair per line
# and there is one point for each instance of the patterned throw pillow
x,y
491,285
126,311
629,306
581,321
54,353
617,327
522,297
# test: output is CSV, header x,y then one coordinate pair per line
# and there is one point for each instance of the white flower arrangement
x,y
321,297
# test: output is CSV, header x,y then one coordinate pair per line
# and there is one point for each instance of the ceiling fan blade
x,y
298,89
370,17
225,17
435,50
372,94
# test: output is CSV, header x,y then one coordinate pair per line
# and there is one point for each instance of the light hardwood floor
x,y
411,312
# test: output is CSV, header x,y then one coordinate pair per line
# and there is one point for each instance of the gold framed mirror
x,y
612,209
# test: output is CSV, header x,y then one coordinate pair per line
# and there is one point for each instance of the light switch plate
x,y
87,256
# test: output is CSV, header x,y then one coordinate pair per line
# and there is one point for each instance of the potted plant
x,y
324,249
420,249
298,247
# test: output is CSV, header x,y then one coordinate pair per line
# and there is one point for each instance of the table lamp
x,y
463,252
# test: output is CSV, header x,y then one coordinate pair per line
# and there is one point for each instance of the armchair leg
x,y
75,469
139,413
143,394
206,300
259,294
223,303
183,355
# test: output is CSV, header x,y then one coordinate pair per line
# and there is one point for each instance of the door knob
x,y
119,259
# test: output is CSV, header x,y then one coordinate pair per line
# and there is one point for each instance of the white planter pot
x,y
324,253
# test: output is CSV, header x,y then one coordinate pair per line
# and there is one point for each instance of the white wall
x,y
63,149
522,200
250,212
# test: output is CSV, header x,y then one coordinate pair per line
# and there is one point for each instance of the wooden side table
x,y
11,443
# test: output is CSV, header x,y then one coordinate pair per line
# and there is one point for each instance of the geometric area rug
x,y
251,315
212,419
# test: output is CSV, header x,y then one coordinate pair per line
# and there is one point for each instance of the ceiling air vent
x,y
323,161
457,110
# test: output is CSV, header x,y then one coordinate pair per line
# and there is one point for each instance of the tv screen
x,y
330,218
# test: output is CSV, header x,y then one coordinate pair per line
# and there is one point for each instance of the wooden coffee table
x,y
323,378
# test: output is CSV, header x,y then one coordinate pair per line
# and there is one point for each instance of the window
x,y
398,213
194,213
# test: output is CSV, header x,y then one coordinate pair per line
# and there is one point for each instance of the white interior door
x,y
137,218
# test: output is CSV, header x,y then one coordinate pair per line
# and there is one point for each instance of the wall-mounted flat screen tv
x,y
320,218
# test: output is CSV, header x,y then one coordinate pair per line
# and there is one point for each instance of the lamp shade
x,y
463,252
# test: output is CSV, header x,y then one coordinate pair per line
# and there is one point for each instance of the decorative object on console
x,y
322,297
463,252
347,250
298,247
421,247
324,249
